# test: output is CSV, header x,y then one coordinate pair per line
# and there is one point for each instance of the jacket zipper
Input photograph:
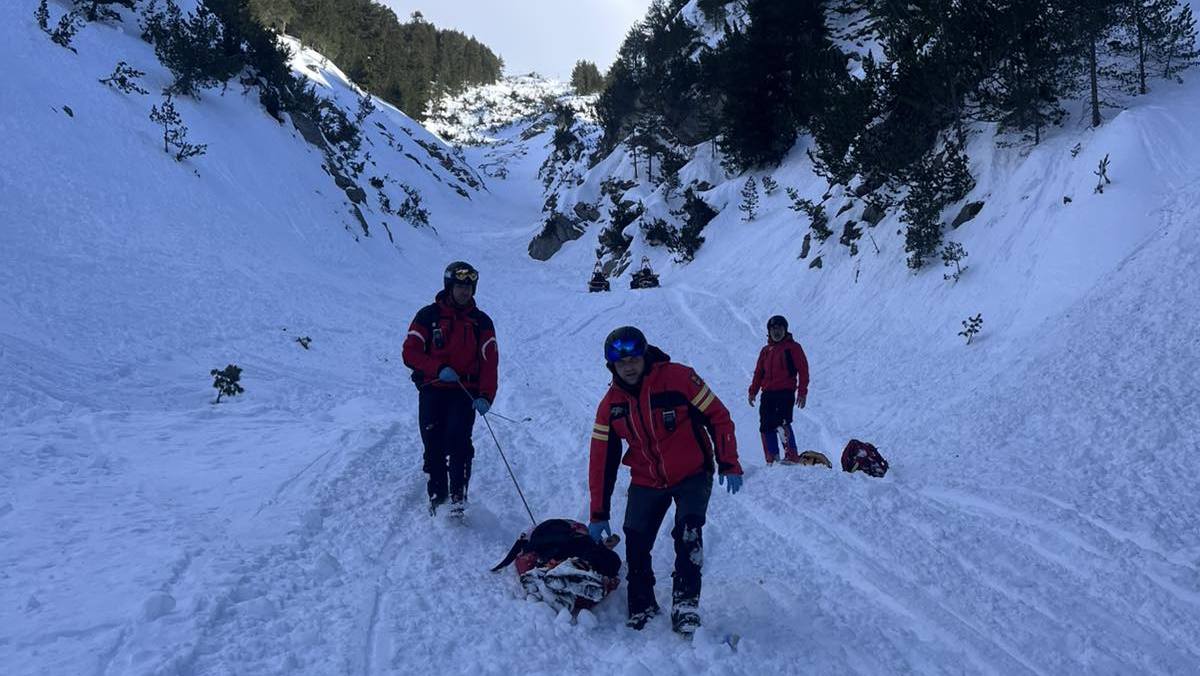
x,y
650,437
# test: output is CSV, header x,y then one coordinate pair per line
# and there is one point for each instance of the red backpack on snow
x,y
861,456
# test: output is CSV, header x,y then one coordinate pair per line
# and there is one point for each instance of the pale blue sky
x,y
547,36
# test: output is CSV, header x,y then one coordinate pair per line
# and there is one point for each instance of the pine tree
x,y
1025,89
586,78
971,326
410,209
174,131
772,77
749,204
226,382
696,214
1176,49
953,254
939,179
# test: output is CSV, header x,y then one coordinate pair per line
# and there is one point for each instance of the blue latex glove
x,y
597,529
447,375
733,482
482,405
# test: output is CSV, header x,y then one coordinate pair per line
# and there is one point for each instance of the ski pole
x,y
497,415
504,458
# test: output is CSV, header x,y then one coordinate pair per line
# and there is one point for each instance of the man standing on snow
x,y
451,349
678,433
782,374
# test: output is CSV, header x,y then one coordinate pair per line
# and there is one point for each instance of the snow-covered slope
x,y
1039,516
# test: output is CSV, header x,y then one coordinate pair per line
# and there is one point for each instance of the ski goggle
x,y
464,275
624,347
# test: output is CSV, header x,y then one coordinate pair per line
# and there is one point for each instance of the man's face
x,y
462,293
777,332
629,369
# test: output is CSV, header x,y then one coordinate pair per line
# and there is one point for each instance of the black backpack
x,y
561,539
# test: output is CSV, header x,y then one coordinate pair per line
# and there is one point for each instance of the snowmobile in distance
x,y
644,278
598,281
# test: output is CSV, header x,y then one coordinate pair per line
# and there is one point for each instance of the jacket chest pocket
x,y
668,421
669,411
439,335
619,420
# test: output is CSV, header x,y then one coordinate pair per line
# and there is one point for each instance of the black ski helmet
x,y
627,341
777,320
460,272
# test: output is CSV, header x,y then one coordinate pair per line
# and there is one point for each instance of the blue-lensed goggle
x,y
624,347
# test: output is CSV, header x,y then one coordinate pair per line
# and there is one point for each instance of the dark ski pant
x,y
643,516
775,411
447,418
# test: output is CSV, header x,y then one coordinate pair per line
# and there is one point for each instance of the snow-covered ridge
x,y
473,116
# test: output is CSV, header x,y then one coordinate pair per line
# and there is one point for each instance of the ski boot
x,y
458,510
638,620
435,502
685,619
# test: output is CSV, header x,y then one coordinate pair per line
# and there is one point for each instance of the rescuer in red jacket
x,y
678,433
782,375
451,349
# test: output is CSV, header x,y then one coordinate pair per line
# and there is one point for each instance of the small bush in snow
x,y
952,254
770,185
366,106
659,233
613,240
42,14
749,204
815,212
971,326
226,382
625,212
174,131
304,341
1102,173
68,26
124,79
411,209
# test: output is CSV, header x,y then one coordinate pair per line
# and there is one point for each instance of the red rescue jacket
x,y
781,366
674,425
462,338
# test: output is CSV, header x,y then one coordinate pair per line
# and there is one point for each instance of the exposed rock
x,y
559,229
850,235
816,263
804,248
586,211
873,214
969,211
